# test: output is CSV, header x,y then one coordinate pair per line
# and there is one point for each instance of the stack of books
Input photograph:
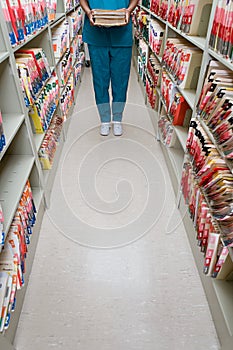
x,y
109,18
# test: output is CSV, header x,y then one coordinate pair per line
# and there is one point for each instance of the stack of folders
x,y
109,18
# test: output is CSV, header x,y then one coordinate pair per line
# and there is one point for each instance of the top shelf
x,y
152,14
195,40
58,18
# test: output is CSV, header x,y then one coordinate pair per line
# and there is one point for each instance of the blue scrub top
x,y
105,36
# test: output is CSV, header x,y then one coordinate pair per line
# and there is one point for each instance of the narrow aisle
x,y
113,268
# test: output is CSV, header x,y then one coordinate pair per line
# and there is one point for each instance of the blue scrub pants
x,y
110,65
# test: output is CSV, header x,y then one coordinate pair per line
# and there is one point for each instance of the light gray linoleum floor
x,y
113,268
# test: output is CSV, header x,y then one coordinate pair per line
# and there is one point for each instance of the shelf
x,y
195,40
176,156
14,174
224,292
70,10
157,17
221,59
182,135
3,56
219,293
62,87
141,85
58,59
152,14
38,138
59,17
29,38
37,195
189,95
78,85
11,124
145,8
18,161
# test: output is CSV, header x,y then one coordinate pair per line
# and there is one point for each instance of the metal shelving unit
x,y
19,159
219,293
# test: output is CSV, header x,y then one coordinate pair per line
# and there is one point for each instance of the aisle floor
x,y
113,268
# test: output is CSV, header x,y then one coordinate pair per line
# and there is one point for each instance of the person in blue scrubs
x,y
110,50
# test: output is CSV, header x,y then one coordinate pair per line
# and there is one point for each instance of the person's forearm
x,y
85,6
132,5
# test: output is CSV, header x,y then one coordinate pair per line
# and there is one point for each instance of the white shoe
x,y
104,129
117,128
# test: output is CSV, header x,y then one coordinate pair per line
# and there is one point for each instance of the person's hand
x,y
127,15
90,16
